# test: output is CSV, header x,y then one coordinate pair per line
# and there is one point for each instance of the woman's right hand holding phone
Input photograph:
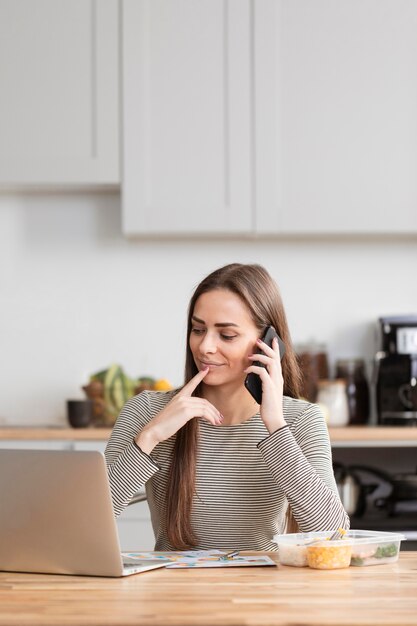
x,y
182,408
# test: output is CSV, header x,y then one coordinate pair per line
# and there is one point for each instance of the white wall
x,y
76,296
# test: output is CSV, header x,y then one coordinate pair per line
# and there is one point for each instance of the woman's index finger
x,y
192,384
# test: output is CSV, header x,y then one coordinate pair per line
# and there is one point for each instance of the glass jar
x,y
312,359
332,394
357,389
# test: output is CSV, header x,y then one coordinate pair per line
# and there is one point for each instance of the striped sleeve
x,y
301,463
129,468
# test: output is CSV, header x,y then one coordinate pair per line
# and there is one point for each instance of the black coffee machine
x,y
396,371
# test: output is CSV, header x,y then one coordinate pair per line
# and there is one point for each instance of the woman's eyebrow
x,y
219,324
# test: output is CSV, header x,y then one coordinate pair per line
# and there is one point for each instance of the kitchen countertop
x,y
342,436
383,595
54,433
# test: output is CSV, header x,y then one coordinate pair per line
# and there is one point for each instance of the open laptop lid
x,y
56,513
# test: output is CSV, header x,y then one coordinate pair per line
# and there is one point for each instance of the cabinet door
x,y
336,102
59,92
187,116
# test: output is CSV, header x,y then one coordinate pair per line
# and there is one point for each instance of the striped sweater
x,y
245,477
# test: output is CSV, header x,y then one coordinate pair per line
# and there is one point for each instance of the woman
x,y
221,471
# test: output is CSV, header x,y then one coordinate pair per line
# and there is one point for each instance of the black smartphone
x,y
253,382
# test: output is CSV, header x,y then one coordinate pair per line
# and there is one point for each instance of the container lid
x,y
353,537
372,536
335,382
310,347
399,320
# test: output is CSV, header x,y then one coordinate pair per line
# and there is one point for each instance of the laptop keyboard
x,y
127,560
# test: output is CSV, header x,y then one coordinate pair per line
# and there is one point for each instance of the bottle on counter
x,y
312,359
332,396
357,389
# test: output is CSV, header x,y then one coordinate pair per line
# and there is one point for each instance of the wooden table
x,y
377,595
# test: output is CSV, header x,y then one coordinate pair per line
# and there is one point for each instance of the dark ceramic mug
x,y
80,413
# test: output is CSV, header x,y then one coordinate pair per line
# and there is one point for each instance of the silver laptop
x,y
56,515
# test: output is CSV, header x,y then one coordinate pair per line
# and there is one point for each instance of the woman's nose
x,y
208,344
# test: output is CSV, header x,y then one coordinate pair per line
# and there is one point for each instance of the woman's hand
x,y
182,408
272,384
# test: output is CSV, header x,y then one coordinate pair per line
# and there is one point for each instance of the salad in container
x,y
370,547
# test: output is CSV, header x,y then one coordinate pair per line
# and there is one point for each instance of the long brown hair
x,y
259,292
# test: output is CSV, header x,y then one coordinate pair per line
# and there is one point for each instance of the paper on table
x,y
202,558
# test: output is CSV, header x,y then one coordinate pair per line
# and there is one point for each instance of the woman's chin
x,y
213,378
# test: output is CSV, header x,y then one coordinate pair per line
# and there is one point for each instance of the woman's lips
x,y
212,366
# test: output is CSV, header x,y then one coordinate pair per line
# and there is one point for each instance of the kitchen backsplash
x,y
77,296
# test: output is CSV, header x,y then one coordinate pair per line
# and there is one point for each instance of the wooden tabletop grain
x,y
376,595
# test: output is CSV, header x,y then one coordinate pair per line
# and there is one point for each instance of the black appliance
x,y
396,371
395,511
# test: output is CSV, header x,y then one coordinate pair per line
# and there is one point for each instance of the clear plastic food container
x,y
370,547
357,548
292,548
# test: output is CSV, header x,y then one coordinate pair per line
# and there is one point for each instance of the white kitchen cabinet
x,y
269,117
187,117
336,124
59,117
